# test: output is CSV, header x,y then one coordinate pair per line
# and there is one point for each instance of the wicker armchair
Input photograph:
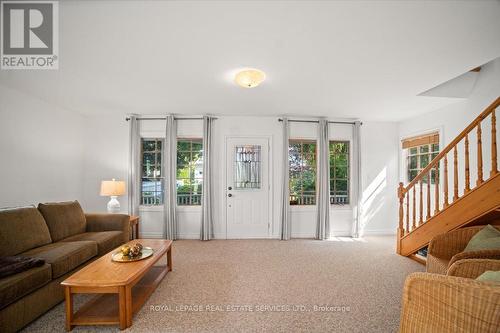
x,y
435,303
446,249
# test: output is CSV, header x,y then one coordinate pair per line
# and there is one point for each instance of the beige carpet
x,y
279,285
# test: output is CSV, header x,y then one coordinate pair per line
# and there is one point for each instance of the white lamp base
x,y
113,205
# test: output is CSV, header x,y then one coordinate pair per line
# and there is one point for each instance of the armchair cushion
x,y
63,218
487,238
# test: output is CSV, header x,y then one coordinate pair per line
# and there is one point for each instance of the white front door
x,y
247,188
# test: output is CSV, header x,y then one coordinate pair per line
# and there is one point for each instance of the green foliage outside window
x,y
189,171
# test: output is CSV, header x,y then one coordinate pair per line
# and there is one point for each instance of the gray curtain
x,y
286,228
207,231
357,186
169,174
323,195
134,167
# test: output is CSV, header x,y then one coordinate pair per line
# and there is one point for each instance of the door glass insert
x,y
247,167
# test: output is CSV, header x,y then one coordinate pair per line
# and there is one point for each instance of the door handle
x,y
230,195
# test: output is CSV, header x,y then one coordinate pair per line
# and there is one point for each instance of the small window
x,y
189,172
420,151
302,163
339,172
151,177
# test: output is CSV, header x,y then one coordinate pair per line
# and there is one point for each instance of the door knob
x,y
229,188
230,195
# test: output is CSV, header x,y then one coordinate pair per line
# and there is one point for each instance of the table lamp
x,y
113,188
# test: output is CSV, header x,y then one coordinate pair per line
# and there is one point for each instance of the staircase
x,y
427,210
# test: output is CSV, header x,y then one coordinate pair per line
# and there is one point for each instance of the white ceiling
x,y
341,59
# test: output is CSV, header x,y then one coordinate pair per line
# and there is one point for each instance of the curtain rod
x,y
163,118
317,121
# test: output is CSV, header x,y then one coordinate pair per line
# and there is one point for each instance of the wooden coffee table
x,y
124,286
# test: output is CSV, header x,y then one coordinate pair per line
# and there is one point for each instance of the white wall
x,y
107,157
452,120
41,151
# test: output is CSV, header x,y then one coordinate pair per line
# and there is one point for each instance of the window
x,y
302,162
151,177
189,172
339,172
420,151
247,167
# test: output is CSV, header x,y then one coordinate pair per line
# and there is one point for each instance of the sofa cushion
x,y
22,229
64,256
106,240
487,238
64,219
16,286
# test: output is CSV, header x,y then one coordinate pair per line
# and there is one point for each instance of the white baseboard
x,y
379,232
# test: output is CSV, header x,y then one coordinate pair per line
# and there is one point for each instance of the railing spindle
x,y
479,180
436,189
455,173
445,181
467,170
408,213
421,203
401,213
494,163
414,225
428,215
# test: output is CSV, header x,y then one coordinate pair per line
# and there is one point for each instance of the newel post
x,y
401,197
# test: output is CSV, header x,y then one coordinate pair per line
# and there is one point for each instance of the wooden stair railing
x,y
411,214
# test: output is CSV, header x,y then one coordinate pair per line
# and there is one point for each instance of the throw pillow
x,y
489,276
486,239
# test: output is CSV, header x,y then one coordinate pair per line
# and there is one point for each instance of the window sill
x,y
159,208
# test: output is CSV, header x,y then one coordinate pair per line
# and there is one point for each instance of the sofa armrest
x,y
440,303
479,254
109,222
472,268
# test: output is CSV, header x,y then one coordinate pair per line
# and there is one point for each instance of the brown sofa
x,y
66,238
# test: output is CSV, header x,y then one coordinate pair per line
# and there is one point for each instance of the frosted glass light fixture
x,y
249,78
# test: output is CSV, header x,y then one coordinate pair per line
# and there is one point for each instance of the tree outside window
x,y
189,172
339,172
302,163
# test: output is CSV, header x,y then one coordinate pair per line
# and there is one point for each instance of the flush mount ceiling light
x,y
249,78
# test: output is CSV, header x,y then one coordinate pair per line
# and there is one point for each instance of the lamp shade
x,y
112,187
